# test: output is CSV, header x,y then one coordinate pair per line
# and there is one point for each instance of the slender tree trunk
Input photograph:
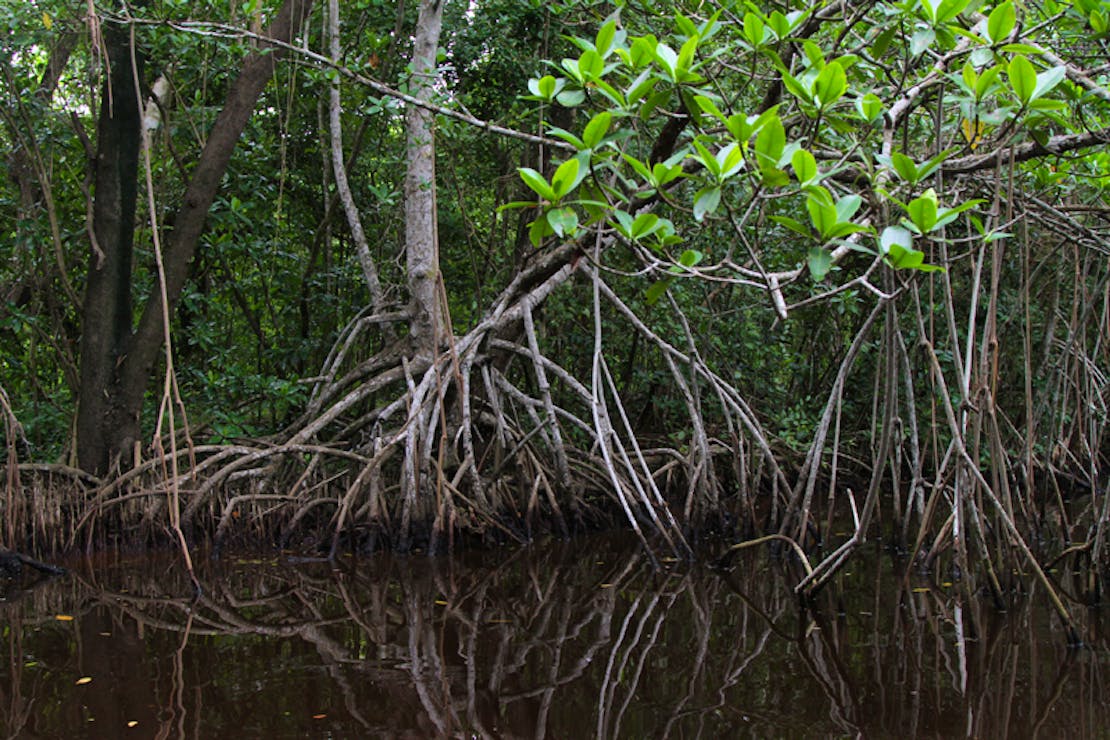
x,y
339,168
117,363
426,325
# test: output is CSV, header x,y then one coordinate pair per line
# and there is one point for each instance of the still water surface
x,y
557,640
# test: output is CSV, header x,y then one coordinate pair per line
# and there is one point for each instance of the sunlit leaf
x,y
949,9
605,36
805,166
1023,78
822,213
596,129
537,182
755,30
769,143
905,167
923,211
1001,21
830,85
83,680
690,258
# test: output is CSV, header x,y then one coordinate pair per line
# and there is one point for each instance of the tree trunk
x,y
426,324
104,428
116,363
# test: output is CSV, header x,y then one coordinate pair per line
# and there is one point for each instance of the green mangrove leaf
x,y
565,178
563,221
596,129
805,166
706,201
1023,78
538,183
1001,22
820,262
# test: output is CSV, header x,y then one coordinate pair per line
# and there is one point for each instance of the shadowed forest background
x,y
397,274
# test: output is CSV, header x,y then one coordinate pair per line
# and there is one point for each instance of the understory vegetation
x,y
387,274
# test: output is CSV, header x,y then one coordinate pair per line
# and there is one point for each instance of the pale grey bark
x,y
339,167
421,241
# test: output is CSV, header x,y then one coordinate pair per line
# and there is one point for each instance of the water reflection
x,y
581,640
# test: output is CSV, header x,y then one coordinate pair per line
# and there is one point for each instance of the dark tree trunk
x,y
102,426
116,362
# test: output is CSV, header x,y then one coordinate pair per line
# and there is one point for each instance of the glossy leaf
x,y
563,221
596,129
706,201
538,183
769,143
869,107
805,166
565,178
830,85
1023,78
1001,22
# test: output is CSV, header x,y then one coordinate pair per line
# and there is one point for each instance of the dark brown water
x,y
558,640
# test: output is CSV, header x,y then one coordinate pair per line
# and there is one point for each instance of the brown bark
x,y
120,362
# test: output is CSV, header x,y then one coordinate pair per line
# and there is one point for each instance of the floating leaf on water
x,y
606,585
104,634
133,723
441,602
319,716
922,590
946,584
63,617
84,680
